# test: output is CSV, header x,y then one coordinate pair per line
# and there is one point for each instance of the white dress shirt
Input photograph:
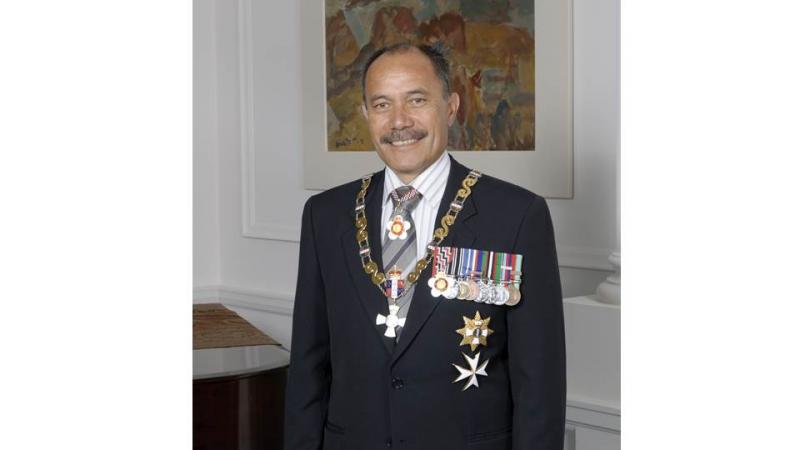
x,y
430,183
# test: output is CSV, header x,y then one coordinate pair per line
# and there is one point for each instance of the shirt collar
x,y
430,183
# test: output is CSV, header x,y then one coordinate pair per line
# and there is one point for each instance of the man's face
x,y
407,112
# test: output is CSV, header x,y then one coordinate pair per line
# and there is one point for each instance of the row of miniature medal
x,y
481,276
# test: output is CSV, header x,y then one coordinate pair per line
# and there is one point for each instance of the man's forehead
x,y
403,62
412,72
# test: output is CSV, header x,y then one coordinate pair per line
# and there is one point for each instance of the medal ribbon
x,y
500,268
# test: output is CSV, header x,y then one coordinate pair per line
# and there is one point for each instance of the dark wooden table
x,y
238,397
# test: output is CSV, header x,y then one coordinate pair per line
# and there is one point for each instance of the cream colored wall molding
x,y
593,415
251,227
583,257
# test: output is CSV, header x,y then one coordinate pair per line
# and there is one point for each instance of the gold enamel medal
x,y
398,228
442,284
475,331
394,285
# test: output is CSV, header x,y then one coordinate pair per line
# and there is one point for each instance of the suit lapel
x,y
461,235
372,301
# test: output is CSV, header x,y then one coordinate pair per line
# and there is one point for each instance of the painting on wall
x,y
491,52
515,120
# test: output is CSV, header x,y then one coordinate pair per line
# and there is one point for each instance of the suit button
x,y
397,383
388,442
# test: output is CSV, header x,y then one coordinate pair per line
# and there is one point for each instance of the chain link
x,y
362,236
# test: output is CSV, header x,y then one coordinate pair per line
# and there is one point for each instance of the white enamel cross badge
x,y
391,321
473,371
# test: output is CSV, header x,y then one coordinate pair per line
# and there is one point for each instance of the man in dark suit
x,y
384,358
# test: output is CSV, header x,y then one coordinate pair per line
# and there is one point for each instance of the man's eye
x,y
382,105
417,101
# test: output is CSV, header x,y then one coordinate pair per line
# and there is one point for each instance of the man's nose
x,y
401,119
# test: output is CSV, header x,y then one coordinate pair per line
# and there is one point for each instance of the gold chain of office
x,y
362,236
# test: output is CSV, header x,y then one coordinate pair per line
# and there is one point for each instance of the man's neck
x,y
407,179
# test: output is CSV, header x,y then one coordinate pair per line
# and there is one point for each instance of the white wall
x,y
206,147
257,276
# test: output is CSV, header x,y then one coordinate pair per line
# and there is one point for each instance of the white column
x,y
609,290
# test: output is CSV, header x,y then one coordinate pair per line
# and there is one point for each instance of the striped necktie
x,y
400,241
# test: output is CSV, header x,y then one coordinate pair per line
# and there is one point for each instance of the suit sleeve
x,y
536,346
308,382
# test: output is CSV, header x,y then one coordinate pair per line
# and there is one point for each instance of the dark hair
x,y
436,53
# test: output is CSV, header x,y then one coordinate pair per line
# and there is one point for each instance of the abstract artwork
x,y
491,51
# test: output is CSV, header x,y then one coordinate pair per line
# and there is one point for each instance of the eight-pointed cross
x,y
473,371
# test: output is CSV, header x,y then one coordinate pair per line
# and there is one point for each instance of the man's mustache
x,y
403,135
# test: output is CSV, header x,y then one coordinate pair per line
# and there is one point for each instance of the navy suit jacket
x,y
348,391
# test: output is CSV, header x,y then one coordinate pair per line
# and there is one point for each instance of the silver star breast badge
x,y
391,321
473,371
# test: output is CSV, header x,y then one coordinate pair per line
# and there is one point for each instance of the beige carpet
x,y
216,326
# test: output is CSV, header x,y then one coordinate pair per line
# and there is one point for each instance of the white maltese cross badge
x,y
473,371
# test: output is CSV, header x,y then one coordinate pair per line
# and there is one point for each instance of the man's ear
x,y
364,111
452,107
